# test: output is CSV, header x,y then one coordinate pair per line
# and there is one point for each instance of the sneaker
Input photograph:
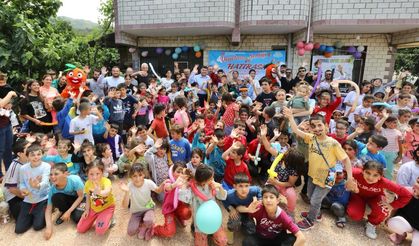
x,y
59,221
370,231
113,223
305,224
305,215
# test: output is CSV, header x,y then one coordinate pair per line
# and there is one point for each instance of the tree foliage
x,y
33,40
408,59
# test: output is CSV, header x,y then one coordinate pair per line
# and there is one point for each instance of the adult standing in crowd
x,y
6,134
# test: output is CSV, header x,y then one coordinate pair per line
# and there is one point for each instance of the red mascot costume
x,y
271,73
76,78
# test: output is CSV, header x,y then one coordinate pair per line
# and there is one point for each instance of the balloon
x,y
316,46
301,51
132,50
328,54
185,48
322,48
178,50
168,52
360,48
300,45
351,49
144,53
357,55
196,48
198,54
309,47
159,50
175,56
329,49
339,44
208,217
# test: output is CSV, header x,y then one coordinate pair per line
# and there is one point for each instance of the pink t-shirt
x,y
393,136
178,119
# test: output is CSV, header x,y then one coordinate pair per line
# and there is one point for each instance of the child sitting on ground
x,y
137,197
272,223
34,186
236,203
66,194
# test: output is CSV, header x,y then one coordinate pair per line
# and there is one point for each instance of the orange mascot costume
x,y
271,73
76,78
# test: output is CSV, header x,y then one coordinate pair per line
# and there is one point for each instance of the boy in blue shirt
x,y
34,186
179,146
237,202
371,150
66,194
214,154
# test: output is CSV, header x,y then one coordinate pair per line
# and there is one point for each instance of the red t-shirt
x,y
328,110
229,115
232,169
268,228
372,190
159,127
228,141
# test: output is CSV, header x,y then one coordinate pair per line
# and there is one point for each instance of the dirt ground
x,y
324,233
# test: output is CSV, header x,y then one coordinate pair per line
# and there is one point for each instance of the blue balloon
x,y
175,56
329,49
196,48
208,217
322,48
185,48
178,50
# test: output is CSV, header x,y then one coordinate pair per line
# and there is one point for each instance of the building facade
x,y
381,26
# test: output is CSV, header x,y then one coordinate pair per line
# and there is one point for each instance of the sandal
x,y
340,223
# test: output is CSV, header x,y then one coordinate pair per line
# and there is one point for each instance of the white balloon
x,y
360,48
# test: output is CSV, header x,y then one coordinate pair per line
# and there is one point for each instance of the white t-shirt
x,y
113,82
12,179
167,83
350,98
77,124
361,111
141,196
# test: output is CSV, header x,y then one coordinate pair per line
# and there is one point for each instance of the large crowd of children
x,y
191,137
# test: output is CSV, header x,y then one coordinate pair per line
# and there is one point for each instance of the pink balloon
x,y
316,46
300,44
309,47
301,51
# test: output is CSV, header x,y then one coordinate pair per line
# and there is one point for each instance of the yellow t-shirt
x,y
97,202
317,167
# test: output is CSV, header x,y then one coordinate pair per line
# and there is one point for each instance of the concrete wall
x,y
135,12
254,10
405,37
365,9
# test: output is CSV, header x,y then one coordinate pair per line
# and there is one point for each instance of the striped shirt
x,y
12,179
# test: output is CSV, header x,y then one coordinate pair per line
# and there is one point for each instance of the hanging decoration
x,y
175,56
196,48
185,49
178,50
168,52
159,50
198,54
144,53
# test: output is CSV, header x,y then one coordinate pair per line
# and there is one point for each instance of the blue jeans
x,y
6,142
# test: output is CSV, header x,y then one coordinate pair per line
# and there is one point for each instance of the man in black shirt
x,y
301,76
266,97
287,80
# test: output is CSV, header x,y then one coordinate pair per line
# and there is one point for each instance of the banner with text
x,y
243,61
343,65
